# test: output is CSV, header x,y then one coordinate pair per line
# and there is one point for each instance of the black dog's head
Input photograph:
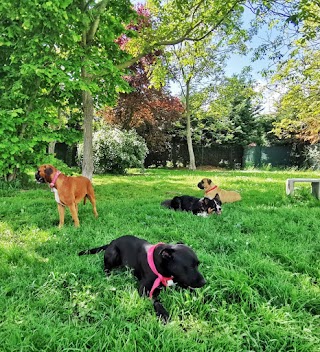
x,y
180,262
211,205
44,173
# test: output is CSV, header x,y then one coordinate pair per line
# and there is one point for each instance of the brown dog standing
x,y
69,191
211,190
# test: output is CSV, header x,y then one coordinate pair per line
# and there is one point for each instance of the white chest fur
x,y
56,195
204,214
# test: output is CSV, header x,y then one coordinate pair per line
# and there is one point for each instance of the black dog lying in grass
x,y
154,266
198,206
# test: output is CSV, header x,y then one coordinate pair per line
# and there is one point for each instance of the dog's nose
x,y
202,282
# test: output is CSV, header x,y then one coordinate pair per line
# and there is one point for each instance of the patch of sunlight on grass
x,y
25,238
308,283
281,316
191,325
273,207
130,300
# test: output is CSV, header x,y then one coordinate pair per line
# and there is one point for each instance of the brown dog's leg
x,y
61,215
92,199
93,202
74,214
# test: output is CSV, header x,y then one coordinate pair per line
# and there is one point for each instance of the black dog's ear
x,y
180,243
166,253
206,200
217,197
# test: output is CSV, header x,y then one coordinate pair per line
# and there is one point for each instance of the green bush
x,y
115,150
58,164
25,179
312,157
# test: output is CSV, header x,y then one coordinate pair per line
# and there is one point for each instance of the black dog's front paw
x,y
161,311
107,272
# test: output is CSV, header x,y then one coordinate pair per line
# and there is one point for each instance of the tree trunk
x,y
87,164
87,100
192,162
12,176
51,147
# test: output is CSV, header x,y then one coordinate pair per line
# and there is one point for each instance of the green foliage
x,y
57,163
115,150
44,53
295,73
23,180
260,259
312,157
298,109
185,20
228,113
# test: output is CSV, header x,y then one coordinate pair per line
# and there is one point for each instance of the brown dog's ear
x,y
48,171
209,181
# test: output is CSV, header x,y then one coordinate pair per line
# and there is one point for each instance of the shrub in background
x,y
58,164
26,180
115,150
312,156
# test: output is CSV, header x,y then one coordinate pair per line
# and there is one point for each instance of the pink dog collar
x,y
160,279
55,179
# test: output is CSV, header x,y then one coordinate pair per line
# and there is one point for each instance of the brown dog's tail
x,y
85,198
94,250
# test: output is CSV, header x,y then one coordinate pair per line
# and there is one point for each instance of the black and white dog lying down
x,y
198,206
155,266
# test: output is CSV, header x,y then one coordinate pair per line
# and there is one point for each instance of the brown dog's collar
x,y
211,189
52,183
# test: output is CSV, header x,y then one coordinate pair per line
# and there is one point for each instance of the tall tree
x,y
236,109
228,113
150,111
57,51
190,64
298,109
56,54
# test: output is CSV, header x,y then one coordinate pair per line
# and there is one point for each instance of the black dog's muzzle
x,y
200,282
200,185
38,178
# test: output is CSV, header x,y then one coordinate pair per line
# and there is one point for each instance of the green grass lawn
x,y
261,260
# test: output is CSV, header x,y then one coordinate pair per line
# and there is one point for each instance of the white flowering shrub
x,y
115,150
312,156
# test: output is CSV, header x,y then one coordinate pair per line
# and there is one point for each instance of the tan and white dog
x,y
68,191
210,190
